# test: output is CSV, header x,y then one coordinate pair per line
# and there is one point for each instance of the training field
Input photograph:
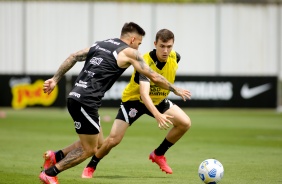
x,y
247,142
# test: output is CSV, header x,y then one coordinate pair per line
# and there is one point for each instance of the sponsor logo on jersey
x,y
132,113
159,93
112,41
77,95
89,73
156,91
102,49
81,84
96,61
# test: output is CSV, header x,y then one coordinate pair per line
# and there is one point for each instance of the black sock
x,y
59,155
163,147
93,162
52,171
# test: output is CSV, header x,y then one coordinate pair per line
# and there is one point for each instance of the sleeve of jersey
x,y
143,78
115,53
121,48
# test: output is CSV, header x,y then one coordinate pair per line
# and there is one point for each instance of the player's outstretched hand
x,y
183,93
163,121
49,85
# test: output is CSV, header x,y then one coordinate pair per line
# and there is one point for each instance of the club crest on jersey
x,y
132,113
96,61
77,125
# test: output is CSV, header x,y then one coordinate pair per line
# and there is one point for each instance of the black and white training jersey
x,y
99,73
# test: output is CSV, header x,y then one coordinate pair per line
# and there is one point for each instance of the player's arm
x,y
139,64
50,84
70,62
162,119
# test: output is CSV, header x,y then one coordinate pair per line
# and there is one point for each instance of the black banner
x,y
213,91
229,91
21,91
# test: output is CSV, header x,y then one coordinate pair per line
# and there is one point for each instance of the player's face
x,y
136,40
163,49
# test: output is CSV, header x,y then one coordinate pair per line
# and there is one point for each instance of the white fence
x,y
213,39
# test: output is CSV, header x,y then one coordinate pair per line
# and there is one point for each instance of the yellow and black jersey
x,y
167,69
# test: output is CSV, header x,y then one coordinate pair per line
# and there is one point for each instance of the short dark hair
x,y
164,35
132,27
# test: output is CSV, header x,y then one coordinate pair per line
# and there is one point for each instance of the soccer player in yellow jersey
x,y
142,96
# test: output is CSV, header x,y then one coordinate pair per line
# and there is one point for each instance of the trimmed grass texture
x,y
248,142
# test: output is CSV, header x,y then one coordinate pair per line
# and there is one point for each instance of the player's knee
x,y
91,151
113,141
99,145
189,123
94,151
186,124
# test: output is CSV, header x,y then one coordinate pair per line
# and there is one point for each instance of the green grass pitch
x,y
247,142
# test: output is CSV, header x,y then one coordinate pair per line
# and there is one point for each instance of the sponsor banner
x,y
21,91
229,91
212,91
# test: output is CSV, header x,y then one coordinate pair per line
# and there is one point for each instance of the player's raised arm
x,y
69,63
50,84
139,64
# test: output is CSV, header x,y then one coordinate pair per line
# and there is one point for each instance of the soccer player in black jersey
x,y
142,96
105,61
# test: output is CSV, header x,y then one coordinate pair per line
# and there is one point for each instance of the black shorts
x,y
130,111
86,119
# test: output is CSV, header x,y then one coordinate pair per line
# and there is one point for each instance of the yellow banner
x,y
32,94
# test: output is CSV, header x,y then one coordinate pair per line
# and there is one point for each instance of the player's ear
x,y
132,39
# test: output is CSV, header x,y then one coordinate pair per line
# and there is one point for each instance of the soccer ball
x,y
211,171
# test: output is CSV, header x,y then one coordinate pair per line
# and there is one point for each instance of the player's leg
x,y
88,147
181,123
101,138
87,126
52,157
76,144
90,168
117,133
127,114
